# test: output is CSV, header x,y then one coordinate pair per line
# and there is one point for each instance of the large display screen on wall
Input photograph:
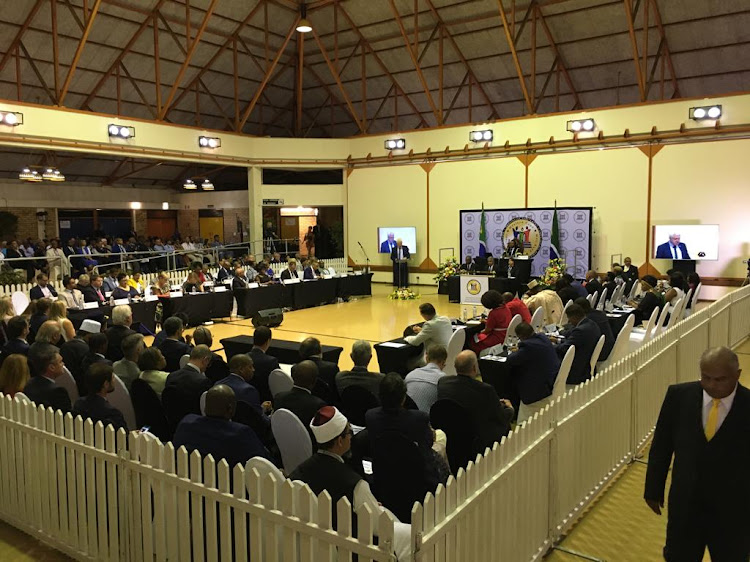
x,y
387,236
686,241
533,227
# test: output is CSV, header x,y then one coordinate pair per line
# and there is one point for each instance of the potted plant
x,y
449,268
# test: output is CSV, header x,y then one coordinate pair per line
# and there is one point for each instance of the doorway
x,y
161,223
211,223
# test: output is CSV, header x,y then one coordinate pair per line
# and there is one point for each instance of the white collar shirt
x,y
725,405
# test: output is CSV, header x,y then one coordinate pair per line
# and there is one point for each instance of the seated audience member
x,y
584,335
240,379
468,265
92,289
58,312
17,331
265,273
565,291
49,332
291,271
540,296
162,335
492,267
123,289
325,386
14,374
216,434
312,271
422,383
218,368
629,273
122,319
516,306
94,406
693,280
6,309
240,280
511,270
190,381
533,367
610,284
39,316
173,348
592,284
600,319
137,283
436,329
72,297
74,350
97,350
326,470
161,288
41,388
300,400
225,271
650,300
262,362
127,368
193,284
359,375
490,415
109,283
496,325
391,416
151,363
676,290
42,290
576,285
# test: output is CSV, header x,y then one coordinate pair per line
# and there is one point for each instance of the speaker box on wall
x,y
271,317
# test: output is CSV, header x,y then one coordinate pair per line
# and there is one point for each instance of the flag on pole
x,y
483,234
554,243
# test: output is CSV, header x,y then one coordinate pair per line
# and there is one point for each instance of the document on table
x,y
393,344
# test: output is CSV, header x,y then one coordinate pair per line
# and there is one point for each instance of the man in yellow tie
x,y
706,427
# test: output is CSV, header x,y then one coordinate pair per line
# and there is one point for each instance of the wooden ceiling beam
x,y
20,33
514,55
38,74
629,15
667,52
79,51
559,59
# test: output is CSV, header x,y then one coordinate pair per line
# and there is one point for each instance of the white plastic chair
x,y
184,360
511,331
292,438
694,302
661,321
675,313
264,467
564,316
20,302
596,354
639,336
621,344
67,382
562,375
203,403
634,290
685,309
120,399
602,300
592,299
455,345
537,319
279,381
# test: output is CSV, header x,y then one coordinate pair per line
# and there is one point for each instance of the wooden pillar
x,y
650,151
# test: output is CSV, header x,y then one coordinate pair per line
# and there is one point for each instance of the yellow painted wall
x,y
614,182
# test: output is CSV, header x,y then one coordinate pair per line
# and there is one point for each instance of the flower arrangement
x,y
553,272
448,268
403,294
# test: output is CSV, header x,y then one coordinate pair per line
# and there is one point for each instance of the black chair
x,y
148,409
174,408
399,474
463,440
409,404
245,414
355,401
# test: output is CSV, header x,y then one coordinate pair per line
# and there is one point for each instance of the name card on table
x,y
119,302
358,272
175,294
343,275
227,281
150,298
252,285
208,284
292,281
107,294
90,305
220,289
328,277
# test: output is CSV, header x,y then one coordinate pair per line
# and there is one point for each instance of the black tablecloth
x,y
498,375
314,293
284,351
199,307
523,268
501,284
617,322
143,313
397,359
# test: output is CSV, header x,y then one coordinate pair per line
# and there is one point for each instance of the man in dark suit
x,y
291,271
300,400
312,271
493,268
705,425
262,362
73,352
490,416
592,284
216,434
387,245
190,382
224,271
97,350
241,371
584,335
42,290
174,347
91,288
240,280
325,386
17,332
41,388
359,375
533,367
600,319
122,318
94,406
400,269
673,250
40,315
468,265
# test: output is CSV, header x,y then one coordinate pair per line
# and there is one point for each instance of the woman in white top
x,y
675,291
59,313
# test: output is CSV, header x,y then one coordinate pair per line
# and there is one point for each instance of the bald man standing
x,y
706,427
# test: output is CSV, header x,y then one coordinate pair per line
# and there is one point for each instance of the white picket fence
x,y
99,495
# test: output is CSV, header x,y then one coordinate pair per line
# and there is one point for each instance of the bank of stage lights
x,y
395,144
481,136
34,175
11,118
209,142
705,112
581,125
206,184
121,131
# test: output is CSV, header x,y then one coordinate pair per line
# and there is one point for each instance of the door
x,y
210,226
164,228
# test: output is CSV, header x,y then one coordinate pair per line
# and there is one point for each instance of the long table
x,y
501,284
285,351
301,295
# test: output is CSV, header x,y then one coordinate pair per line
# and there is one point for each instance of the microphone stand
x,y
367,259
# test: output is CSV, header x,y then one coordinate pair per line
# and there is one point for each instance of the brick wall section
x,y
28,224
231,216
187,222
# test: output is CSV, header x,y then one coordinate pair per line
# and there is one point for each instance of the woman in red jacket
x,y
496,324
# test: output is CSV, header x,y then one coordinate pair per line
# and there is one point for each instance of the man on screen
x,y
387,246
400,268
674,249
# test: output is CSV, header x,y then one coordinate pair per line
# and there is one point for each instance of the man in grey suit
x,y
436,330
359,375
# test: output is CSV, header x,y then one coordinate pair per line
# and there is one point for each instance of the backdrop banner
x,y
534,228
